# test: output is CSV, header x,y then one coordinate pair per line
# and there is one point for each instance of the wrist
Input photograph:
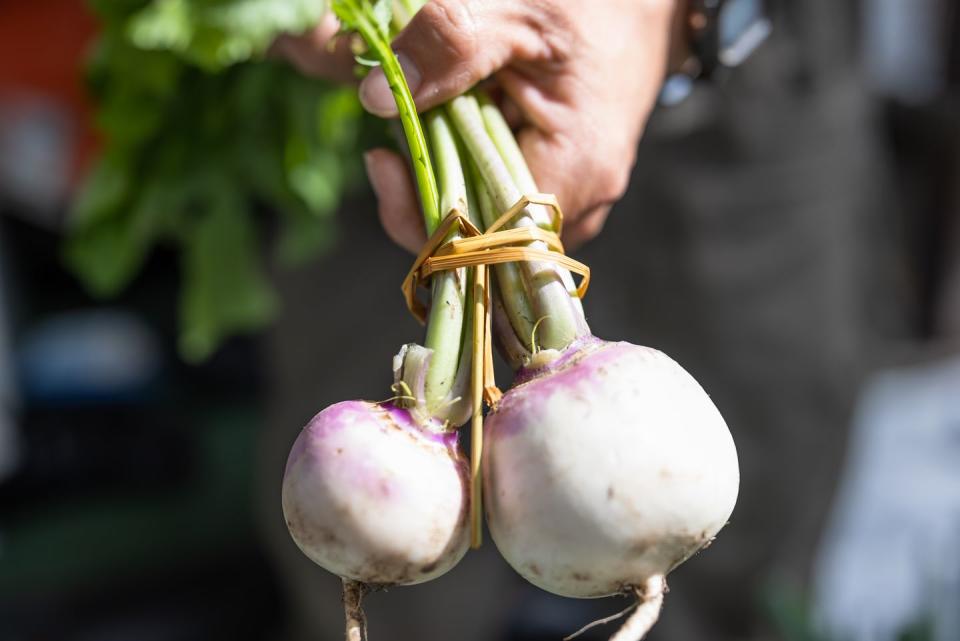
x,y
711,36
679,49
722,34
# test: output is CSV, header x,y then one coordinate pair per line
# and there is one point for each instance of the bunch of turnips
x,y
604,466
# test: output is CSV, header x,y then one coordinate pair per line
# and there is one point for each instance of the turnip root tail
x,y
649,602
353,592
603,621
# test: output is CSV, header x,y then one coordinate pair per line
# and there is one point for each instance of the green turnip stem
x,y
450,176
444,334
408,8
551,299
379,44
506,144
547,289
509,284
403,10
508,342
473,182
445,328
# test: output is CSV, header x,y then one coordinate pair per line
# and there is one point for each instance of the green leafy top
x,y
218,33
372,20
192,155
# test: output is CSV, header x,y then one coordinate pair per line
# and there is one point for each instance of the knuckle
x,y
596,221
612,181
605,170
453,25
556,30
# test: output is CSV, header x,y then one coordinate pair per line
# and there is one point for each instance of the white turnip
x,y
378,493
374,497
604,470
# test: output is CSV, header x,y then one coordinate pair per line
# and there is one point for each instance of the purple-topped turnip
x,y
604,470
374,497
606,465
378,493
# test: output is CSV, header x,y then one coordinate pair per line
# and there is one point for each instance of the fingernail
x,y
370,164
375,92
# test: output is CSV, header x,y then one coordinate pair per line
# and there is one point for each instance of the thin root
x,y
603,621
533,334
649,602
403,393
353,592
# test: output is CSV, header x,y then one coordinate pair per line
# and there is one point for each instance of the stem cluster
x,y
468,159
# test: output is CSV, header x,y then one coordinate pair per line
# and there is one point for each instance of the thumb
x,y
447,48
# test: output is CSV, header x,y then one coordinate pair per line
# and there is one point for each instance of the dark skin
x,y
578,79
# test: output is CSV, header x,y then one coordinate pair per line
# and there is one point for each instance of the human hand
x,y
579,77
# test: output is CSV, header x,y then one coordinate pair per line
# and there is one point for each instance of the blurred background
x,y
190,268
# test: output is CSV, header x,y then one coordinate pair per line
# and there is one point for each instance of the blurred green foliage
x,y
201,133
217,33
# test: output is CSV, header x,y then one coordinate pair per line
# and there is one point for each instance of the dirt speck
x,y
640,547
610,493
437,537
328,537
665,474
581,576
534,569
707,540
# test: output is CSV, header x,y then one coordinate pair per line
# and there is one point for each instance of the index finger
x,y
316,53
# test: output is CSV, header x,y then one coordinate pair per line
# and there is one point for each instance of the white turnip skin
x,y
373,497
604,470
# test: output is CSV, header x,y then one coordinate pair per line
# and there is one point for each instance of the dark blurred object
x,y
200,602
912,55
83,357
74,451
36,143
9,435
542,616
925,140
127,510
